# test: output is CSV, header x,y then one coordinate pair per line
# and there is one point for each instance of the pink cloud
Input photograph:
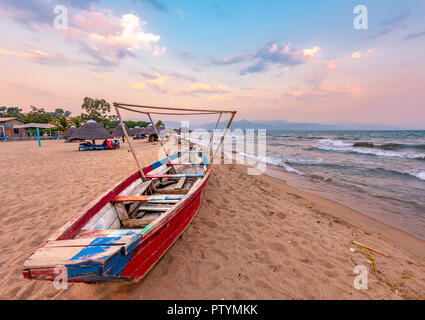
x,y
102,23
358,54
110,39
37,56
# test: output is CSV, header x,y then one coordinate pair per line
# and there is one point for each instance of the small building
x,y
7,128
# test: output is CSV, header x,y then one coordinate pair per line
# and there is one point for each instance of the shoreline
x,y
255,237
358,219
407,241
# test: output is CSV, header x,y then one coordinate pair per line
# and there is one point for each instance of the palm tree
x,y
61,124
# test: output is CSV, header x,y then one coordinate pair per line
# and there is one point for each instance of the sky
x,y
301,61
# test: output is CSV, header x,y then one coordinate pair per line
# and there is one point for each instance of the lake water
x,y
379,173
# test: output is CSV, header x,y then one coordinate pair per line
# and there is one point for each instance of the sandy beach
x,y
255,237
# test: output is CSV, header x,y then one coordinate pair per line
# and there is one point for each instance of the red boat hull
x,y
151,244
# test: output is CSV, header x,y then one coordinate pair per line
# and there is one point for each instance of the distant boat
x,y
122,234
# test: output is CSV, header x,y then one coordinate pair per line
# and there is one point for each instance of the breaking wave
x,y
384,150
273,161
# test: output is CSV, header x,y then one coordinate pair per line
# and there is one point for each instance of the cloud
x,y
324,91
33,13
37,56
414,36
232,60
99,77
187,54
392,24
311,52
319,86
332,64
170,74
156,4
106,38
154,81
282,55
254,87
109,39
218,97
256,68
14,88
203,88
358,54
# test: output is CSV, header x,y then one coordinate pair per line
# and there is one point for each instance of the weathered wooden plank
x,y
137,223
46,257
83,242
184,164
103,219
102,212
106,233
175,176
157,208
139,190
172,198
180,183
172,191
115,224
161,170
121,210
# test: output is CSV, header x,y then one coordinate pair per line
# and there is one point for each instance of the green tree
x,y
132,124
13,110
97,109
37,115
61,124
160,123
110,122
76,121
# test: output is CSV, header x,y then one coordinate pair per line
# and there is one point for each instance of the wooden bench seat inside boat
x,y
171,198
89,250
140,199
175,176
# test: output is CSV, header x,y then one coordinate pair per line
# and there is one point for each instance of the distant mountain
x,y
172,124
364,126
283,125
272,125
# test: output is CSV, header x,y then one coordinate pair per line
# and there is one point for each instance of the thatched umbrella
x,y
149,130
70,131
119,132
137,131
91,131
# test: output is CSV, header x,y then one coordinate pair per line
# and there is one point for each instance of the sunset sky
x,y
291,60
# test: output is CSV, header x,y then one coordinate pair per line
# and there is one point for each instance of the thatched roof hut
x,y
70,131
91,131
137,131
119,132
149,130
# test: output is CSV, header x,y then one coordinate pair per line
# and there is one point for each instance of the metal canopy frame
x,y
182,112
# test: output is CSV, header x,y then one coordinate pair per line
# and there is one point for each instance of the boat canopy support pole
x,y
191,111
173,170
212,135
224,135
130,143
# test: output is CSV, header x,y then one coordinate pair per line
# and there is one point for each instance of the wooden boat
x,y
122,234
